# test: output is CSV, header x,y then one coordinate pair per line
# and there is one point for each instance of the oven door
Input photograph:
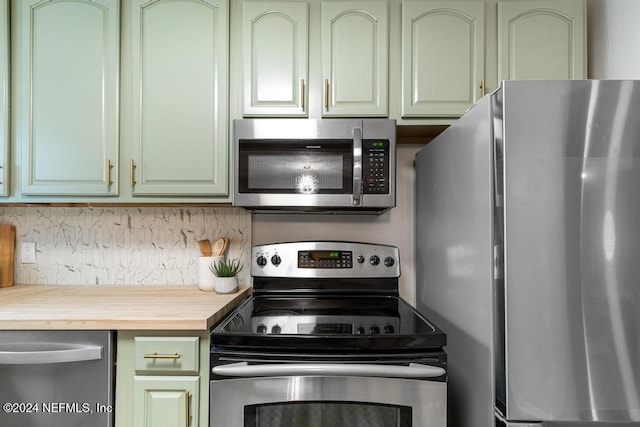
x,y
328,395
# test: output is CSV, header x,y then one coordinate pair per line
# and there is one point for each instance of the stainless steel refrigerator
x,y
528,254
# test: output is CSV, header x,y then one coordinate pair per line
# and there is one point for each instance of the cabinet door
x,y
67,89
179,125
275,58
4,97
355,58
443,57
541,40
165,401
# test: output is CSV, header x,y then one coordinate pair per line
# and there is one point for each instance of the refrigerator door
x,y
571,242
454,258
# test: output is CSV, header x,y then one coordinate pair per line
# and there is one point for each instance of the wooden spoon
x,y
205,247
218,246
225,246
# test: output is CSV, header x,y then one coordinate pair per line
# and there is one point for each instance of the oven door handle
x,y
414,370
357,167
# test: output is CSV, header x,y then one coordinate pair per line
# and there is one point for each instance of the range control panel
x,y
325,259
325,325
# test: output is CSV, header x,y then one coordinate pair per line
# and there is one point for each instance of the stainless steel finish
x,y
315,129
454,259
414,370
548,172
288,253
428,399
357,167
30,353
60,379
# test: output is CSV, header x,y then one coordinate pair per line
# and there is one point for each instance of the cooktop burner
x,y
307,297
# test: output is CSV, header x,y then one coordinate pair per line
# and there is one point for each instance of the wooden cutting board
x,y
7,247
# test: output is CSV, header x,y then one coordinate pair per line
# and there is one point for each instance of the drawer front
x,y
165,355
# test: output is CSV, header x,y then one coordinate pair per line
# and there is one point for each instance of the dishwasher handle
x,y
41,353
414,370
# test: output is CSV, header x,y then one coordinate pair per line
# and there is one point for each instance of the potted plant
x,y
226,272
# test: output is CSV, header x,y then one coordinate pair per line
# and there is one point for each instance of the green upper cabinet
x,y
542,39
179,137
443,55
67,89
275,58
4,98
355,58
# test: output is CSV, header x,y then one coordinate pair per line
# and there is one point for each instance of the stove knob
x,y
262,261
374,260
276,260
389,329
262,329
360,331
276,329
360,259
388,261
374,330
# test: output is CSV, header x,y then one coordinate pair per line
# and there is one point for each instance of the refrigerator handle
x,y
498,261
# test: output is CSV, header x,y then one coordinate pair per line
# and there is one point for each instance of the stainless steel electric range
x,y
326,340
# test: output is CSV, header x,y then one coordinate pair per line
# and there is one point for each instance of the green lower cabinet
x,y
162,379
165,401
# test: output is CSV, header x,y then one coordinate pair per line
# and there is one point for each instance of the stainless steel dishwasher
x,y
56,378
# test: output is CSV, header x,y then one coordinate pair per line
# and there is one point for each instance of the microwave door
x,y
357,167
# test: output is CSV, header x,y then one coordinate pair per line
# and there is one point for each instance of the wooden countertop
x,y
157,307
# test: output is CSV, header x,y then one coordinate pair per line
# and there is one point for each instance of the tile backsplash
x,y
122,245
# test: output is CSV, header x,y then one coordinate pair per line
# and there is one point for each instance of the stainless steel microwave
x,y
301,165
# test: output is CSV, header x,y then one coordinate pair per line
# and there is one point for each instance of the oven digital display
x,y
325,259
325,255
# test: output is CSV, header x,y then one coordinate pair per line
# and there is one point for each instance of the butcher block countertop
x,y
157,307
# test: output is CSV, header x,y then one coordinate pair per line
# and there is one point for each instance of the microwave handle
x,y
357,167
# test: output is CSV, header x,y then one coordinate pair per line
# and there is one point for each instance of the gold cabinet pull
x,y
483,87
187,407
302,93
326,94
108,173
133,174
162,356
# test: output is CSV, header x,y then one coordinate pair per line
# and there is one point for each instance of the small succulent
x,y
226,268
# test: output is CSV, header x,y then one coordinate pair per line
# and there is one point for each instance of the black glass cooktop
x,y
327,323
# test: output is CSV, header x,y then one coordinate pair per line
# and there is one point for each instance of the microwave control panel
x,y
375,174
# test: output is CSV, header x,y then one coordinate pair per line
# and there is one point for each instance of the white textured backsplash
x,y
123,246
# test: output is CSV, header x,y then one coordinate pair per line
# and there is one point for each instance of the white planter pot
x,y
225,285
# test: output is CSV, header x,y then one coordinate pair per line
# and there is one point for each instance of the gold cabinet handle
x,y
302,93
108,173
483,87
162,356
326,94
133,173
187,407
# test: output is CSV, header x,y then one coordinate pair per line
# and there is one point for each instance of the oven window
x,y
327,414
